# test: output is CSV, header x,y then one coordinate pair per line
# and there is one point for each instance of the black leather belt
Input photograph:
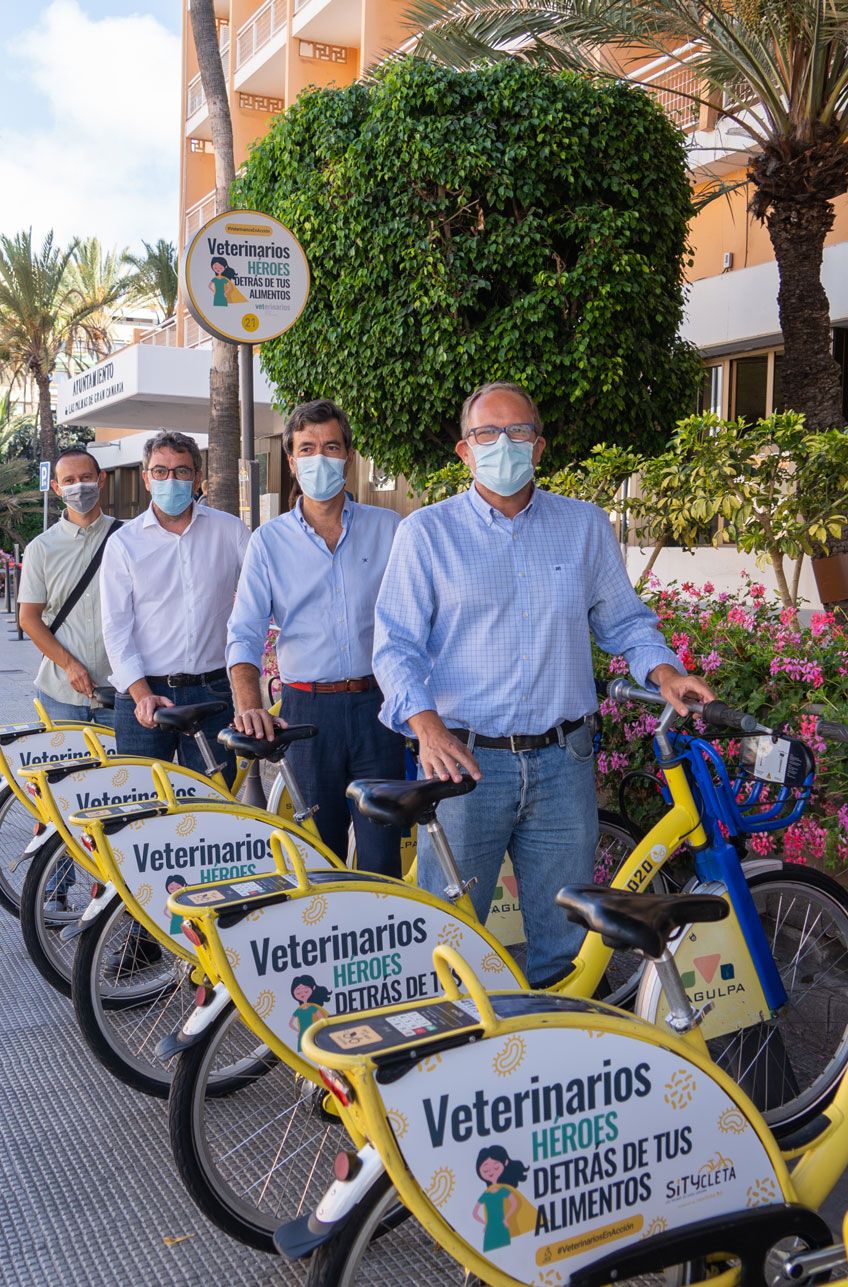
x,y
188,681
521,741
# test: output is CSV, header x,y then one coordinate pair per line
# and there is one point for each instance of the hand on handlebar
x,y
675,688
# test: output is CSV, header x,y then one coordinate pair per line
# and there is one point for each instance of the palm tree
x,y
781,68
17,503
45,315
224,446
155,279
97,276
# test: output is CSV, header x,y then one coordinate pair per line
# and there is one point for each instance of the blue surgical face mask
x,y
172,495
504,467
321,477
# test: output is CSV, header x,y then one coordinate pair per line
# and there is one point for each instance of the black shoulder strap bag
x,y
84,581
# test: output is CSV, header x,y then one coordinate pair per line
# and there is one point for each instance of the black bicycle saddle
x,y
403,804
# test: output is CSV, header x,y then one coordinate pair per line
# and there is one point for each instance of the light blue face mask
x,y
321,477
172,495
504,467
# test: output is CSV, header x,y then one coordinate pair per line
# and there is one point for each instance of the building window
x,y
750,388
709,394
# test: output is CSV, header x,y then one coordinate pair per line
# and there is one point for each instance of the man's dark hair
x,y
315,413
176,441
78,451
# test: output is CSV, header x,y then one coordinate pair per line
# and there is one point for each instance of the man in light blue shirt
x,y
482,649
316,571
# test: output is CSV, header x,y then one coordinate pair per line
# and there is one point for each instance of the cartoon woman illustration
x,y
220,283
311,999
503,1211
172,884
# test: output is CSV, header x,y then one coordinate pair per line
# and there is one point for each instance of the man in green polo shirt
x,y
74,659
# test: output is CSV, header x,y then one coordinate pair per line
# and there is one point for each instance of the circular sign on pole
x,y
245,277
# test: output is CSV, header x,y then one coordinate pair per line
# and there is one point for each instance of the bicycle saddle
x,y
402,804
105,694
259,748
642,922
187,719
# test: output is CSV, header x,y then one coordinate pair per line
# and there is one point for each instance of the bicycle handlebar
x,y
717,713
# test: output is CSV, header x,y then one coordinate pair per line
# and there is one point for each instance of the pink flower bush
x,y
760,657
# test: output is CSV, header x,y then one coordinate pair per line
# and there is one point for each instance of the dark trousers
x,y
351,743
131,738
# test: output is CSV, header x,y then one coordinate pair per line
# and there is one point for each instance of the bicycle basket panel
x,y
541,1170
337,953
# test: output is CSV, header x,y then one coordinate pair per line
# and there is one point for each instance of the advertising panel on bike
x,y
52,747
338,953
545,1149
153,858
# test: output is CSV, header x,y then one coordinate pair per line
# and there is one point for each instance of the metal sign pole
x,y
249,473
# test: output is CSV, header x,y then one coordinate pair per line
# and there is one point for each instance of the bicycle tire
x,y
248,1190
52,957
805,914
123,1018
16,831
616,841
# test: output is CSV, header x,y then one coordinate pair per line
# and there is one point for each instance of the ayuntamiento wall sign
x,y
245,277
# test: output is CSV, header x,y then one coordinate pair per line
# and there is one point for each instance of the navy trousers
x,y
351,743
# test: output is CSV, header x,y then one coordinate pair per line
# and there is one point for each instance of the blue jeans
x,y
351,743
541,807
131,738
65,711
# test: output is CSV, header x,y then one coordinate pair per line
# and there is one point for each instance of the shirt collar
x,y
489,514
347,511
73,530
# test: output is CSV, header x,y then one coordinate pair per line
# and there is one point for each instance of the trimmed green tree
x,y
471,226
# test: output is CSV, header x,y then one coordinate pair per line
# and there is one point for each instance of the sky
x,y
90,119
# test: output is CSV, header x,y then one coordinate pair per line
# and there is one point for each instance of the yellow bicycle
x,y
543,1140
236,1158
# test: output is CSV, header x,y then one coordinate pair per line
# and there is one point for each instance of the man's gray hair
x,y
315,413
498,386
175,441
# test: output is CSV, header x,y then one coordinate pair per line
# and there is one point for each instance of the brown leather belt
x,y
340,686
520,741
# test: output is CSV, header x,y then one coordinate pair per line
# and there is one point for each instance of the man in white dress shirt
x,y
166,584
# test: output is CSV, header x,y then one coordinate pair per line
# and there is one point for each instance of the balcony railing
x,y
199,214
259,29
194,336
195,97
672,81
164,336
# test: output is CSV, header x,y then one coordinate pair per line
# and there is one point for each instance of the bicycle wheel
x,y
616,841
56,892
256,1158
791,1066
128,993
17,827
359,1254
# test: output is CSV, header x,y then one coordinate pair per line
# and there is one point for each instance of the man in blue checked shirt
x,y
482,650
316,571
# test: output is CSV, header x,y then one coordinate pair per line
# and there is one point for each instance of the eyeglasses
x,y
485,435
183,472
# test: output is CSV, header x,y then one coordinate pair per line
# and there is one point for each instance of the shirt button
x,y
525,614
521,574
525,657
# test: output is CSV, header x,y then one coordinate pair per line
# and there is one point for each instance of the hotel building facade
x,y
274,49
